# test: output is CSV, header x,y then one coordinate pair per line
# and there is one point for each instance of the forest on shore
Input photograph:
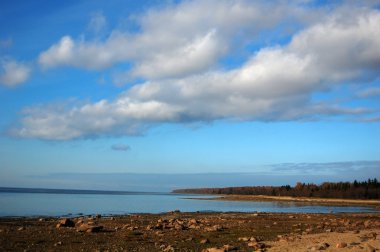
x,y
369,189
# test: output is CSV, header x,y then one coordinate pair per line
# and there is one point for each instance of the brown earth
x,y
177,231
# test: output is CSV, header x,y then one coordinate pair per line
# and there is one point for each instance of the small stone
x,y
20,229
367,223
252,244
369,248
341,245
253,239
229,248
244,239
169,248
214,250
320,246
57,244
204,241
372,235
149,227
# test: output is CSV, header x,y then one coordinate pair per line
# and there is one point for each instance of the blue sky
x,y
281,90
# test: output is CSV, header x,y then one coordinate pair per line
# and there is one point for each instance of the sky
x,y
165,94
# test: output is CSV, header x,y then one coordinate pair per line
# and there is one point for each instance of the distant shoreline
x,y
325,201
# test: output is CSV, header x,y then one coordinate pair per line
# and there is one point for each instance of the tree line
x,y
369,189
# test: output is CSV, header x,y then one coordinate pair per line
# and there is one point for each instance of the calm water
x,y
53,204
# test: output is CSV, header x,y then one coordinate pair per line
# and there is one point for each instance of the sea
x,y
16,202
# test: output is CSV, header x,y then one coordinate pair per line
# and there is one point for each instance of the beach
x,y
309,200
177,231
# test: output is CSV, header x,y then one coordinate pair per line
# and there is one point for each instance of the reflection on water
x,y
49,204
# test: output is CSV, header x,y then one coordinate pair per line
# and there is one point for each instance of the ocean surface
x,y
47,202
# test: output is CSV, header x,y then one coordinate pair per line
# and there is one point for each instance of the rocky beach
x,y
177,231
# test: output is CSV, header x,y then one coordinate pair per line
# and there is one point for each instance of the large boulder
x,y
65,222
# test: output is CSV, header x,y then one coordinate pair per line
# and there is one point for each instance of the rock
x,y
225,248
367,223
66,223
252,244
320,246
341,245
204,241
369,248
40,219
372,235
89,229
244,239
253,239
214,250
57,244
229,248
179,227
149,227
169,248
256,245
20,229
217,228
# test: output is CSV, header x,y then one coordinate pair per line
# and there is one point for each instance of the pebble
x,y
204,241
57,244
341,245
369,248
320,246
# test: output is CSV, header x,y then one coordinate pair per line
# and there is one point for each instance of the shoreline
x,y
177,231
324,201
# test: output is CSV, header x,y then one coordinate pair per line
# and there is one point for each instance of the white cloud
x,y
275,83
13,73
176,41
98,22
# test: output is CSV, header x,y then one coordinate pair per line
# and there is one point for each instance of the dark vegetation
x,y
369,189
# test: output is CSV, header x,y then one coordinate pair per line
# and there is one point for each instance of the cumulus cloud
x,y
120,147
274,84
188,39
13,73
